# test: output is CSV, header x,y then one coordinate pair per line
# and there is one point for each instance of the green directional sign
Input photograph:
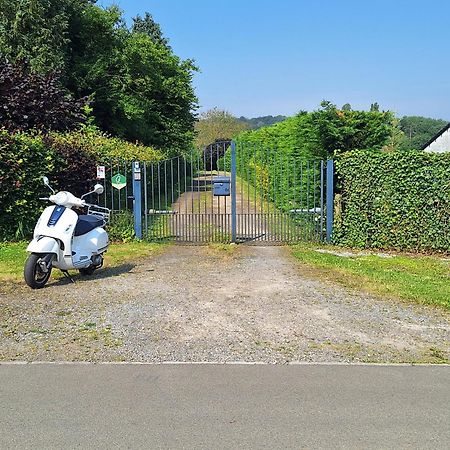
x,y
118,181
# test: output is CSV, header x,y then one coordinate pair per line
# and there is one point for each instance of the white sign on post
x,y
100,172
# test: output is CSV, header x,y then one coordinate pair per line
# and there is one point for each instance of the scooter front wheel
x,y
33,272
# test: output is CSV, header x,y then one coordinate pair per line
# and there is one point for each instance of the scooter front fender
x,y
43,245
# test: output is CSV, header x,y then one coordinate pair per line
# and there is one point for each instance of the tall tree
x,y
217,125
140,90
149,27
38,31
155,95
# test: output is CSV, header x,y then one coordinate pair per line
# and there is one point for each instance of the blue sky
x,y
260,57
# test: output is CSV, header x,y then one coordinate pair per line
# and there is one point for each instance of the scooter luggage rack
x,y
100,211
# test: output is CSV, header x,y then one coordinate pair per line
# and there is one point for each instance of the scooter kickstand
x,y
67,275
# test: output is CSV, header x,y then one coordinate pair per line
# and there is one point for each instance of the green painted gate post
x,y
233,192
137,199
330,199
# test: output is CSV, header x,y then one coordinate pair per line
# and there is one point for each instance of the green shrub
x,y
121,226
23,160
68,159
398,200
327,132
104,148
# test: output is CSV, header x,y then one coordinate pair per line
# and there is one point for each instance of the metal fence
x,y
227,192
273,198
118,197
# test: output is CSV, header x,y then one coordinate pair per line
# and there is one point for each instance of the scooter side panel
x,y
93,243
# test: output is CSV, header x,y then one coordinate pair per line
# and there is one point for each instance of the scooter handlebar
x,y
64,198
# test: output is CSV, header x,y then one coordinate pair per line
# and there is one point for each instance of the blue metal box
x,y
221,186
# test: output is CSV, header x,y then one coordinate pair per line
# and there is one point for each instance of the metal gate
x,y
232,192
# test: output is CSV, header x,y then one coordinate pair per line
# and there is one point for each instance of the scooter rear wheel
x,y
35,277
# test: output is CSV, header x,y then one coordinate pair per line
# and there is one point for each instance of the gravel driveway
x,y
218,304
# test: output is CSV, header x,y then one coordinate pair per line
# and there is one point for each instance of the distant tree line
x,y
417,131
263,121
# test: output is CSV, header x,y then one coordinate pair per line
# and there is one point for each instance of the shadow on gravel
x,y
107,272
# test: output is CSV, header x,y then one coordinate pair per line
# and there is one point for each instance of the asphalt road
x,y
223,406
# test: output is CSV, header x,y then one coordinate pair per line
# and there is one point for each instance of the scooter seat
x,y
87,223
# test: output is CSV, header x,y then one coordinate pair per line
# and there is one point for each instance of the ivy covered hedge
x,y
68,159
398,200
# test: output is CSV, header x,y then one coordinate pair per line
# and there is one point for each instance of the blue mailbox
x,y
221,186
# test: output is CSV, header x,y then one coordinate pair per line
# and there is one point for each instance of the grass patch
x,y
12,260
422,279
119,253
13,256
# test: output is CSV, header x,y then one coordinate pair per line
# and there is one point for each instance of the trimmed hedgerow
x,y
398,200
68,159
23,160
103,147
81,151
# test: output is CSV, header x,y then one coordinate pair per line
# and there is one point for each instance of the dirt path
x,y
210,304
199,216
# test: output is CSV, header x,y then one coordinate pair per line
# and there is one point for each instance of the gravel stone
x,y
192,303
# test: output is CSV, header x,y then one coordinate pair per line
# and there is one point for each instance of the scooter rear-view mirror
x,y
47,183
98,189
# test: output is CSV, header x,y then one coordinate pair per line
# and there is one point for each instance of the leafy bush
x,y
76,169
68,159
326,132
23,160
104,148
398,200
121,226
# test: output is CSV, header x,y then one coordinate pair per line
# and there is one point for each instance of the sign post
x,y
233,192
330,199
137,202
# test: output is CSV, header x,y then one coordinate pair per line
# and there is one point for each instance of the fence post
x,y
330,199
137,202
233,192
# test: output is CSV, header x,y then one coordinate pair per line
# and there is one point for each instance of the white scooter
x,y
65,240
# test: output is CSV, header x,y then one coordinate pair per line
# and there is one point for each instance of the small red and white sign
x,y
100,172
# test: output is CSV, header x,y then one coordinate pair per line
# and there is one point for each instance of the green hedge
x,y
398,200
69,160
23,160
